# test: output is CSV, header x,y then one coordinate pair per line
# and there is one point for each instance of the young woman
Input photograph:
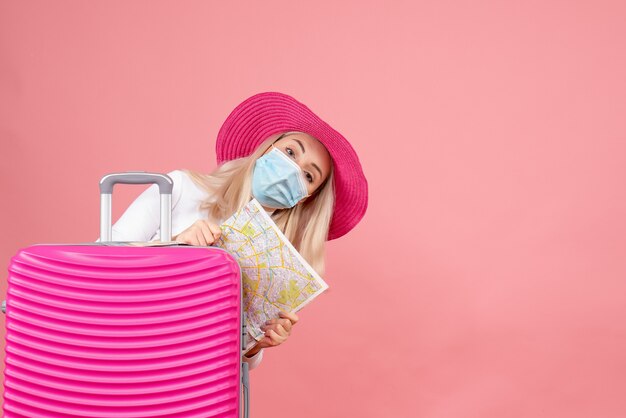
x,y
273,148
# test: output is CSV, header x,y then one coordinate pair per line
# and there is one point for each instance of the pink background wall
x,y
488,276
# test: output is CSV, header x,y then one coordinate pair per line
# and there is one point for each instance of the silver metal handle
x,y
245,380
165,184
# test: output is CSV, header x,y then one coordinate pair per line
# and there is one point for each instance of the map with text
x,y
274,275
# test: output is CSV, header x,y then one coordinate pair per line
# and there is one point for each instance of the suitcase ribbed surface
x,y
118,331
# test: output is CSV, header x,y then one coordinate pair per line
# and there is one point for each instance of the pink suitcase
x,y
112,330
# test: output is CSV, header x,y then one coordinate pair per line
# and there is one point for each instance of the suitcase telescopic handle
x,y
165,184
245,380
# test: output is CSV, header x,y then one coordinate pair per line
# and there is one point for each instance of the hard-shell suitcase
x,y
114,330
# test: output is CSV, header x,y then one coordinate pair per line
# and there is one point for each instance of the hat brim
x,y
265,114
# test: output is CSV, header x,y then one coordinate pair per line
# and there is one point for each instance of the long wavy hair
x,y
305,225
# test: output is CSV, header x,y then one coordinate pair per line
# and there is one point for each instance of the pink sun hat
x,y
265,114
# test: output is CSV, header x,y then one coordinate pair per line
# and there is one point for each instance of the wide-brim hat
x,y
266,114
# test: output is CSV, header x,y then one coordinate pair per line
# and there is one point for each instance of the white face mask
x,y
278,181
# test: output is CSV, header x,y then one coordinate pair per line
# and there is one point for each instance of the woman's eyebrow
x,y
301,146
303,151
318,169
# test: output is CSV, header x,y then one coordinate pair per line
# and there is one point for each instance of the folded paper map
x,y
275,276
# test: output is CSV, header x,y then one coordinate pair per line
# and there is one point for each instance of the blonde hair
x,y
305,225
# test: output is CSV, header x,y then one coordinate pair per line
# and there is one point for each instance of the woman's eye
x,y
289,151
309,177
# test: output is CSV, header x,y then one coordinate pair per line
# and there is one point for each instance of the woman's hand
x,y
202,232
276,332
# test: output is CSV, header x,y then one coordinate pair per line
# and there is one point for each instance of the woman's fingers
x,y
200,238
204,231
287,319
277,330
216,230
280,330
201,232
187,237
281,326
211,232
286,324
274,338
291,316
